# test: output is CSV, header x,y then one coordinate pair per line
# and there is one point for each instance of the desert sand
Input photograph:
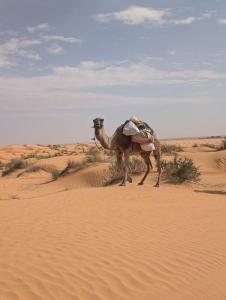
x,y
74,239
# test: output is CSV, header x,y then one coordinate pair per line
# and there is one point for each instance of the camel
x,y
124,147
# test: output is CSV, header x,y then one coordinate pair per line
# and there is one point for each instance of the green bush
x,y
180,170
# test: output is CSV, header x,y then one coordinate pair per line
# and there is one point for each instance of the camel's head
x,y
98,123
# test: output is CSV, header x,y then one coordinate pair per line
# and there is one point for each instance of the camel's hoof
x,y
140,183
122,184
156,185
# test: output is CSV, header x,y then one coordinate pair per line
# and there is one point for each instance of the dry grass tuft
x,y
115,174
211,146
93,155
223,146
170,149
15,164
55,173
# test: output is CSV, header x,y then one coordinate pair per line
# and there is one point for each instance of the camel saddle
x,y
143,135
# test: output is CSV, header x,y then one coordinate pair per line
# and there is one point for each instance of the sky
x,y
64,63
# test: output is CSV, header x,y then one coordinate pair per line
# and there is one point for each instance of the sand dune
x,y
75,239
111,244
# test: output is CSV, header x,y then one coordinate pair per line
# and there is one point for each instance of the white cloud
x,y
94,74
14,44
222,21
20,46
135,15
40,27
70,86
55,49
192,19
17,47
60,38
29,54
9,33
185,21
4,62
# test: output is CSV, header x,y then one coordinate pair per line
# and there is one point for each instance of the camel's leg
x,y
126,169
120,166
119,159
157,156
146,158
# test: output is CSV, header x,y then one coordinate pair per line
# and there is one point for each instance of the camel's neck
x,y
103,138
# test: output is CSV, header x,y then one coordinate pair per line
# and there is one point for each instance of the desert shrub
x,y
115,174
56,154
180,170
28,156
54,147
55,173
36,156
76,165
91,151
195,145
170,149
32,169
137,165
15,164
40,156
221,147
109,153
93,155
211,146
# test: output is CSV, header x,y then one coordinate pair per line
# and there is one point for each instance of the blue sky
x,y
64,63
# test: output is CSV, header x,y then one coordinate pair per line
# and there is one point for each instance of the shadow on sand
x,y
211,192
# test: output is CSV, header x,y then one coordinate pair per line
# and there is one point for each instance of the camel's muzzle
x,y
97,126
